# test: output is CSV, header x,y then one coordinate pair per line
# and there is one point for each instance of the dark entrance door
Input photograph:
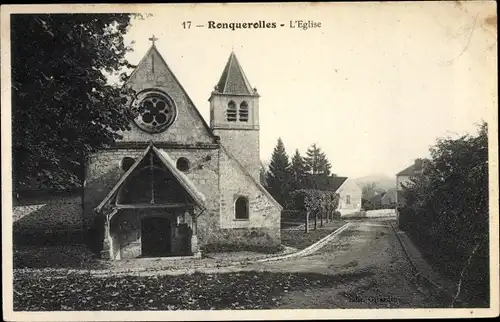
x,y
156,237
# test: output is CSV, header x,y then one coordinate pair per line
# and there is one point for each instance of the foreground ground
x,y
364,267
373,271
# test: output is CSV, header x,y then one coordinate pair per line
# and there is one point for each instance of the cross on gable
x,y
153,39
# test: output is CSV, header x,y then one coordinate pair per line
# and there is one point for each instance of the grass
x,y
68,256
243,290
300,239
227,248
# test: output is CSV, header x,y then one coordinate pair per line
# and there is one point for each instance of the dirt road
x,y
374,270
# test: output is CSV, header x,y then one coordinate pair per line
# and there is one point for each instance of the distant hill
x,y
381,181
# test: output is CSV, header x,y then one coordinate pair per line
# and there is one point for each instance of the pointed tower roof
x,y
233,79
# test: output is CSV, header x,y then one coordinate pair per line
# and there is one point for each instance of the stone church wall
x,y
263,225
243,144
204,174
102,173
189,126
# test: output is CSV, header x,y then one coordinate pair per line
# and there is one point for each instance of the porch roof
x,y
167,161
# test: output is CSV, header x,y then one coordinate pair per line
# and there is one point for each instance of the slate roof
x,y
233,80
330,184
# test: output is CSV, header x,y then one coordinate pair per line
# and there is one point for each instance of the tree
x,y
316,162
298,170
278,179
446,210
263,174
63,107
368,191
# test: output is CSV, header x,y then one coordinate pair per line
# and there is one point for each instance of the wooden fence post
x,y
307,221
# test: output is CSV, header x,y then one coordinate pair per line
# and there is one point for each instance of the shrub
x,y
293,215
446,211
337,215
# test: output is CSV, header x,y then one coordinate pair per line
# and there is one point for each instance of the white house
x,y
350,195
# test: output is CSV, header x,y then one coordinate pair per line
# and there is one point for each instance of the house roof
x,y
191,189
336,182
415,168
407,172
233,80
330,183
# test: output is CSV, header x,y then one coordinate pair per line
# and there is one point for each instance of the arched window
x,y
231,111
241,208
244,111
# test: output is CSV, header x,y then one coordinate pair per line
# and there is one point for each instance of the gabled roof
x,y
336,182
153,50
191,189
233,80
414,169
329,184
407,171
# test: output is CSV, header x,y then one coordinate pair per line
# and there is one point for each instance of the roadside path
x,y
375,272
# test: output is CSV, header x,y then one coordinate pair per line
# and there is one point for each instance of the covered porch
x,y
152,211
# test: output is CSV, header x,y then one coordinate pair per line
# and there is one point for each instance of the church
x,y
173,183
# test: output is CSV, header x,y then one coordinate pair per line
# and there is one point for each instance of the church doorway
x,y
156,237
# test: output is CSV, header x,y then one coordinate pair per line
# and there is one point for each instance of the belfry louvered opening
x,y
231,111
244,111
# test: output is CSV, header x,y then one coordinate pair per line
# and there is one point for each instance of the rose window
x,y
155,112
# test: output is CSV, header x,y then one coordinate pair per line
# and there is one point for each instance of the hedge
x,y
446,212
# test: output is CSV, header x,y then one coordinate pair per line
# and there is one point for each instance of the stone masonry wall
x,y
48,214
240,138
243,144
188,127
204,174
263,224
103,172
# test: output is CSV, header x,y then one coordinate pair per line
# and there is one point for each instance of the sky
x,y
373,87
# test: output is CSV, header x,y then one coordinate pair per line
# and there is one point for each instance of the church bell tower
x,y
234,115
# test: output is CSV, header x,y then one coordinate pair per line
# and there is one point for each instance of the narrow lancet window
x,y
244,112
231,112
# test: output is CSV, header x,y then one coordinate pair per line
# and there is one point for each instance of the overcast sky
x,y
374,87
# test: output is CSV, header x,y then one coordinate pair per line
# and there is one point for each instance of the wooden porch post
x,y
194,235
107,243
